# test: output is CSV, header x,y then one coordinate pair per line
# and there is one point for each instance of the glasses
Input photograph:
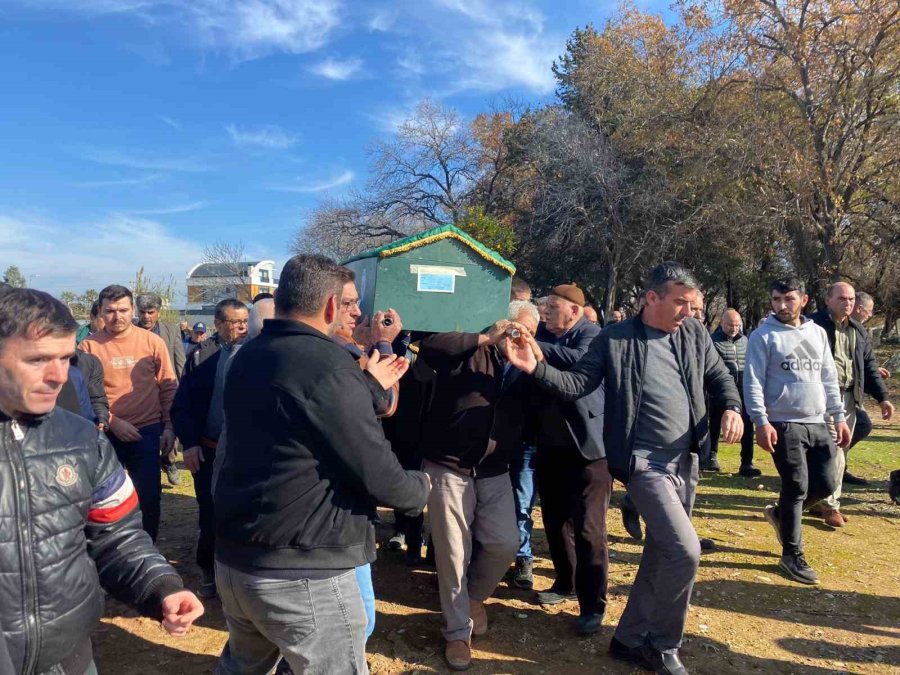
x,y
237,322
349,304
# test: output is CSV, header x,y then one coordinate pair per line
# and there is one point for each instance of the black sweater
x,y
307,461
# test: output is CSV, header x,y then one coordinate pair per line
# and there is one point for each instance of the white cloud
x,y
501,44
266,136
382,21
139,159
76,256
166,210
341,179
170,121
334,69
248,29
140,180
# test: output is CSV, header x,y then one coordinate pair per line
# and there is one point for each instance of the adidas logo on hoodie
x,y
790,375
804,357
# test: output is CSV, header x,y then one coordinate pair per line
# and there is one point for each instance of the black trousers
x,y
575,493
715,428
206,540
805,459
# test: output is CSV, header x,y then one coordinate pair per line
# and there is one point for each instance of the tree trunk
x,y
890,323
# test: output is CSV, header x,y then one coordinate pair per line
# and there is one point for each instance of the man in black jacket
x,y
474,424
858,374
306,465
197,416
655,368
731,343
76,526
572,475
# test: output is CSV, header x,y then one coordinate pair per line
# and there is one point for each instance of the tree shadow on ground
x,y
845,610
888,654
123,653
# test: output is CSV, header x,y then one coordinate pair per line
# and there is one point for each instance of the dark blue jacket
x,y
582,417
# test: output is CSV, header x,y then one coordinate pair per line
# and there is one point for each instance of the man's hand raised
x,y
387,369
520,354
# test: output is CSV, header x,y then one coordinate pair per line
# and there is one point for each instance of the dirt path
x,y
745,617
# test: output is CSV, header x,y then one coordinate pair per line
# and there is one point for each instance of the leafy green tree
x,y
14,277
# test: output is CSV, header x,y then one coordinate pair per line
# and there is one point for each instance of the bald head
x,y
731,322
261,310
840,300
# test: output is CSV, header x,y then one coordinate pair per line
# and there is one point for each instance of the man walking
x,y
573,478
790,384
71,521
140,385
857,373
306,465
149,305
474,425
731,343
198,415
655,367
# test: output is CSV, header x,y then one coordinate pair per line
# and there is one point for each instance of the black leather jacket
x,y
69,523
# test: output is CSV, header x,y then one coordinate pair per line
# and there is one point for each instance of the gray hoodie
x,y
790,376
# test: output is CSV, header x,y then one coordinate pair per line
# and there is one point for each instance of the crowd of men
x,y
299,417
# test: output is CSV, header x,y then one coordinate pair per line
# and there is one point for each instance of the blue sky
x,y
133,132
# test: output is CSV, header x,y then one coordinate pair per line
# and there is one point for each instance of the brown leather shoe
x,y
846,519
833,518
458,655
479,617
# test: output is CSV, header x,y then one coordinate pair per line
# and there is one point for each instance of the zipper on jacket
x,y
29,583
637,410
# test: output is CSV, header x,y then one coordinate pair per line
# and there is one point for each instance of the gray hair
x,y
864,298
148,301
516,307
261,310
541,301
669,272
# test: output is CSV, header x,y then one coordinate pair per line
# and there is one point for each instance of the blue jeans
x,y
367,591
141,461
521,472
318,626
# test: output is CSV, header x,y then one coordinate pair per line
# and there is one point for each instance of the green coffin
x,y
438,280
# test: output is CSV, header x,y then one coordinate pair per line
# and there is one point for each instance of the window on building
x,y
264,276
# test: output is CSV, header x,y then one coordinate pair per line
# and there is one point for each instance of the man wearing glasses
x,y
198,415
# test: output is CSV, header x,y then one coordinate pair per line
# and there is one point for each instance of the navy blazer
x,y
583,416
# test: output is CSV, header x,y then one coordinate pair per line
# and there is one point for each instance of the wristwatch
x,y
734,408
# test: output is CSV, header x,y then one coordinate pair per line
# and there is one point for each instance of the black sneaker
x,y
850,479
772,517
749,471
894,487
588,624
711,465
631,521
707,545
796,567
553,597
172,475
397,542
524,576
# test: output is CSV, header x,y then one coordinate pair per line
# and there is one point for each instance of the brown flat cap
x,y
569,292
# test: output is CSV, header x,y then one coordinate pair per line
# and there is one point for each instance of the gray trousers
x,y
663,493
473,528
840,458
318,626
